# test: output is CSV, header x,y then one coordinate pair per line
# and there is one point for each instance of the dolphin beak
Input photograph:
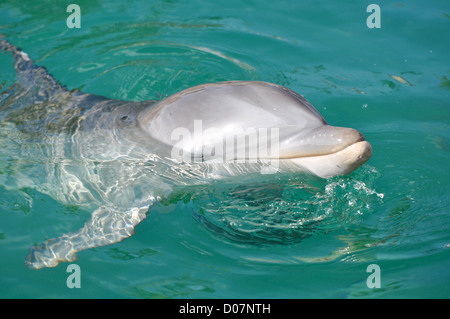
x,y
327,150
339,163
323,140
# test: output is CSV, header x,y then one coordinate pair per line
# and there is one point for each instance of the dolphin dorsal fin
x,y
29,74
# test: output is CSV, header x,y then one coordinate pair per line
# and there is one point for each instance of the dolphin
x,y
117,158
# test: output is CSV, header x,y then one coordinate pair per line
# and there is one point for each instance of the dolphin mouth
x,y
328,151
325,140
336,150
340,162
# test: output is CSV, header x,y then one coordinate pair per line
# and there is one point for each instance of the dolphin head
x,y
242,120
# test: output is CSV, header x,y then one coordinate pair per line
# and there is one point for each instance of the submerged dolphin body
x,y
117,157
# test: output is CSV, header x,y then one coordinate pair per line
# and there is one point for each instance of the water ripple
x,y
286,210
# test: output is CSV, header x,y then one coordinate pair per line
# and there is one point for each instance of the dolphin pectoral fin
x,y
106,226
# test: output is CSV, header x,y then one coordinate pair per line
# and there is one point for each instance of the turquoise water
x,y
284,236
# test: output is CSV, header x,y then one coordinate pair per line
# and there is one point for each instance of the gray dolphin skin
x,y
116,158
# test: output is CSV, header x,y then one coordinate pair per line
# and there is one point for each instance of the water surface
x,y
284,236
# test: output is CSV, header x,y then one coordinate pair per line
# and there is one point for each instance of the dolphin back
x,y
228,107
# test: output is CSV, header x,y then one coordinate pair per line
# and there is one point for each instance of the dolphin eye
x,y
124,118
